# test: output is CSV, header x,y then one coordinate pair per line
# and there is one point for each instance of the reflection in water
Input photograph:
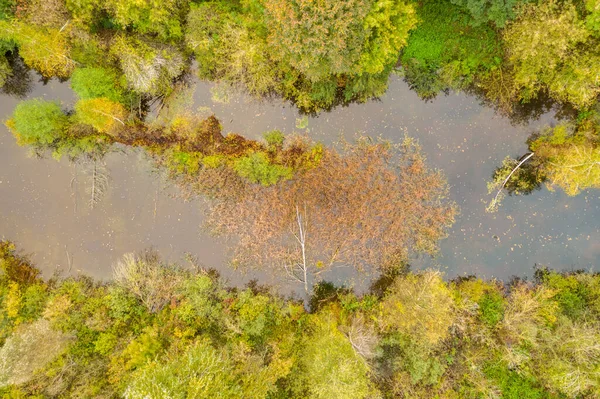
x,y
524,113
520,176
43,212
97,180
20,83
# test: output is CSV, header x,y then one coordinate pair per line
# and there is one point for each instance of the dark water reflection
x,y
43,202
468,141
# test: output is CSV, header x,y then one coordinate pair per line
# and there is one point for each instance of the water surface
x,y
43,203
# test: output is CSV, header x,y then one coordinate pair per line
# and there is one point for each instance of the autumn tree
x,y
420,305
566,156
550,48
102,114
161,18
44,49
570,158
365,205
149,67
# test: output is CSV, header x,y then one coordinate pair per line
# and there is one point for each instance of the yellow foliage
x,y
102,114
473,289
421,305
575,168
13,300
545,47
44,49
57,307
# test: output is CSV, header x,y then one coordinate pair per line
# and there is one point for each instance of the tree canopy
x,y
163,330
551,48
39,121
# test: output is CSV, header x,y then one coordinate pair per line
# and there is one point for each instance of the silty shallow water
x,y
43,202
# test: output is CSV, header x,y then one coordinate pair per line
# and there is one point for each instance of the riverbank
x,y
157,323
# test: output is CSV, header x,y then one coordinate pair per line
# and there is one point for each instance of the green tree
x,y
6,9
229,51
159,18
314,53
550,48
91,83
498,12
335,38
446,51
592,20
38,122
330,365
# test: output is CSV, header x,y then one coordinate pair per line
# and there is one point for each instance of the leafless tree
x,y
362,337
362,205
98,181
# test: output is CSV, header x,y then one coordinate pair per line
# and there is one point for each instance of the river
x,y
43,203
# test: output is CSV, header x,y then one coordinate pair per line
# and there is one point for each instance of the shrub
x,y
38,122
5,70
491,307
153,282
96,82
258,169
104,115
274,138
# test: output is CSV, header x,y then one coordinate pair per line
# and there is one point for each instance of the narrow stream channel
x,y
43,203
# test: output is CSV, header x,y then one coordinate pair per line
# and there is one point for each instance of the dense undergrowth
x,y
160,330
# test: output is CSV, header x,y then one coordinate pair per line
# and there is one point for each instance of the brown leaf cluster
x,y
364,205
